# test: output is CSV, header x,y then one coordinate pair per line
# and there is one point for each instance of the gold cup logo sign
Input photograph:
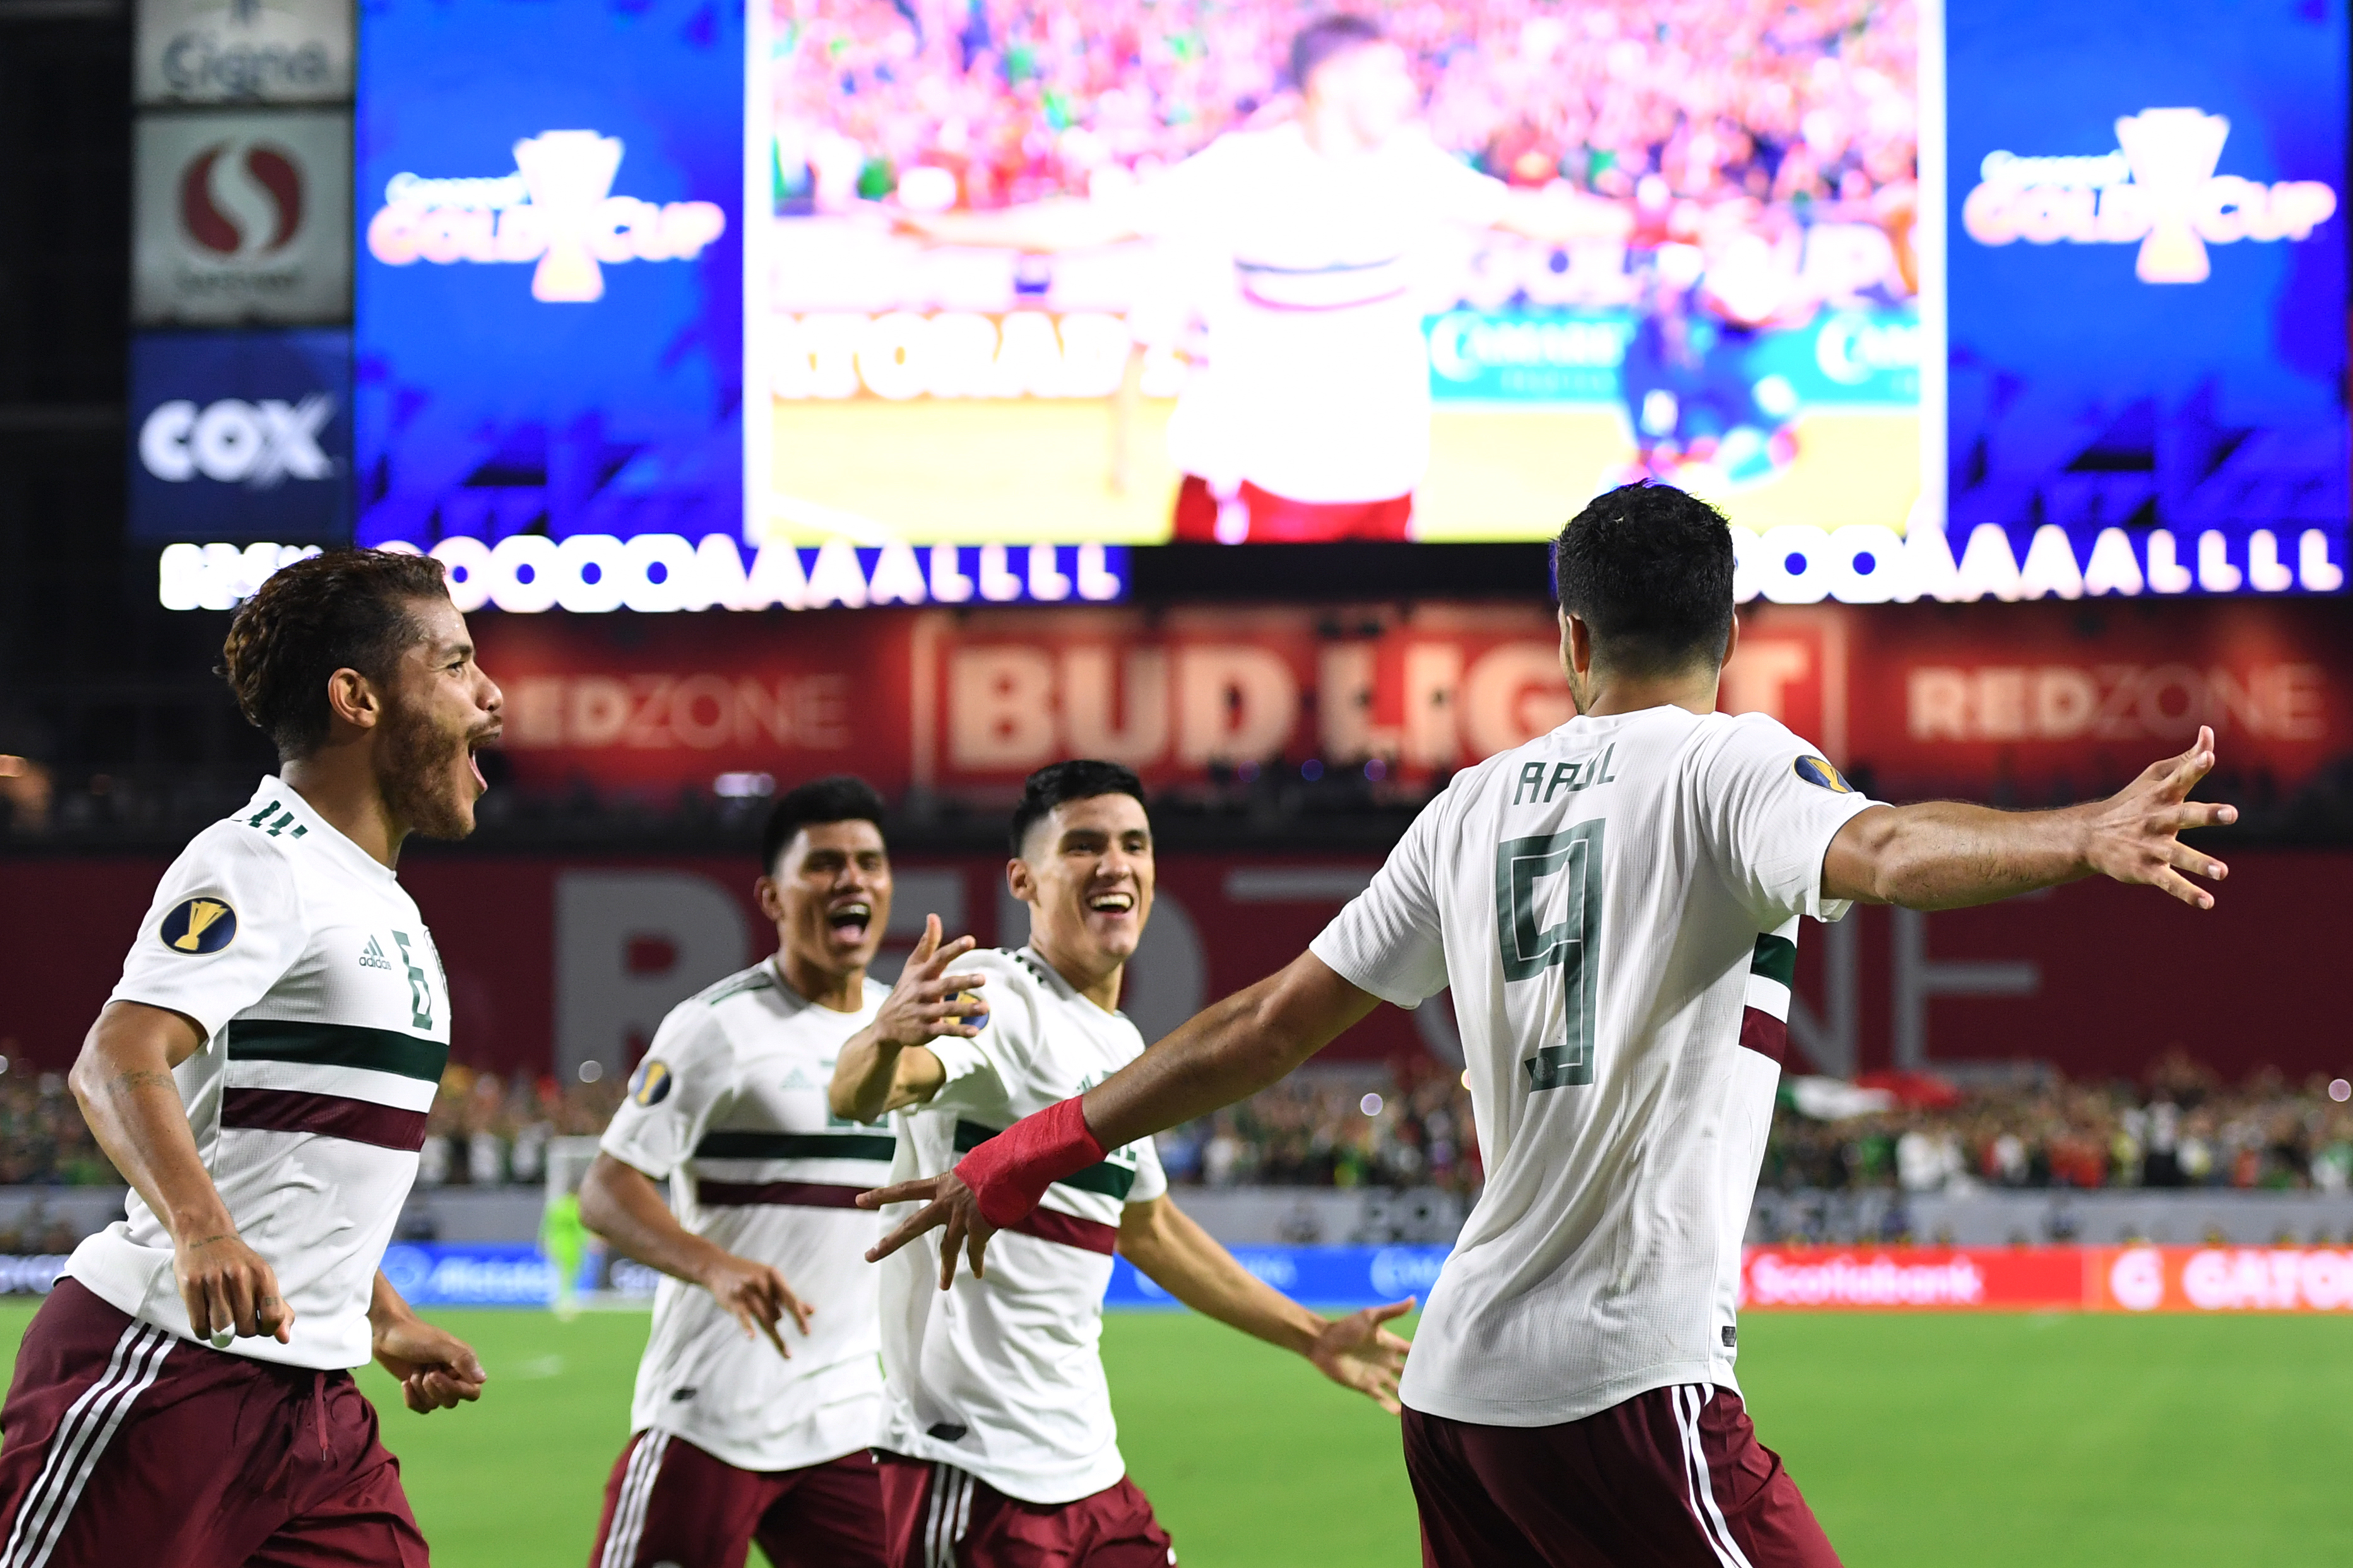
x,y
2173,153
569,173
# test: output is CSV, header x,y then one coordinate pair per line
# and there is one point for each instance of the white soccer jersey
x,y
1318,383
1616,906
1003,1378
730,1104
327,1024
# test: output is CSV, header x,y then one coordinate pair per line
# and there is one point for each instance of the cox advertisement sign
x,y
240,435
551,272
2147,273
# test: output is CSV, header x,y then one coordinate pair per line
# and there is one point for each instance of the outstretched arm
x,y
1559,216
1948,855
1174,1252
620,1203
1225,1053
1040,228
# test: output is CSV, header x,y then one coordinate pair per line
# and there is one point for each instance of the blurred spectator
x,y
486,1130
1317,1129
2180,1127
1761,102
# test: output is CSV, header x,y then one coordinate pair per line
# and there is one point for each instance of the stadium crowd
x,y
2181,1126
1758,101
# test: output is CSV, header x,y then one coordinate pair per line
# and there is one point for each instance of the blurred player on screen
x,y
1615,906
261,1075
1311,420
997,1448
740,1432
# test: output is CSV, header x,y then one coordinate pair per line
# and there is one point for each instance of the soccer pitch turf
x,y
1921,1440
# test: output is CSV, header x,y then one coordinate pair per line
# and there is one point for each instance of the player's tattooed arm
x,y
123,1081
1169,1247
620,1203
888,1064
436,1368
1946,855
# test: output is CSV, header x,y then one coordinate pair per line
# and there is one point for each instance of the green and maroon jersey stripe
x,y
1069,1230
791,1195
1764,1034
314,1043
324,1115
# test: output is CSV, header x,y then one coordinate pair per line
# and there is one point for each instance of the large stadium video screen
x,y
949,300
1104,271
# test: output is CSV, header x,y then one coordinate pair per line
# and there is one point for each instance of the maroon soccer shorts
x,y
669,1502
1278,520
1671,1478
128,1446
940,1517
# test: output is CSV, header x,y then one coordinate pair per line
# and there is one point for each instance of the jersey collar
x,y
316,828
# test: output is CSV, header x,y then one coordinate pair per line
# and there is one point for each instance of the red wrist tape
x,y
1009,1173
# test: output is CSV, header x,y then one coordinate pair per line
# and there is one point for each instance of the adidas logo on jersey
x,y
798,1079
373,958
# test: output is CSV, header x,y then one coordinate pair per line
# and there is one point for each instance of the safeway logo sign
x,y
556,210
2158,189
259,443
241,201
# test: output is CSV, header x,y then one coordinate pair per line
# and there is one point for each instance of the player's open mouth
x,y
850,921
474,744
1111,903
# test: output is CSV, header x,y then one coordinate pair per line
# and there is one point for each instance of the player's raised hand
x,y
756,1296
948,1202
230,1290
929,1001
438,1370
1358,1351
2134,835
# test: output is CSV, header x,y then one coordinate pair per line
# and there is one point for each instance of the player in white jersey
x,y
1615,905
261,1076
1311,420
999,1449
740,1433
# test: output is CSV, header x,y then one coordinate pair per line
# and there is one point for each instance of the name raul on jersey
x,y
1534,787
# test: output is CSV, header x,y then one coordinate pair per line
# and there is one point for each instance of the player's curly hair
x,y
1648,568
345,609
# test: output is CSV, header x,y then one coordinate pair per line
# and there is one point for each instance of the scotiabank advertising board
x,y
2051,1278
2026,703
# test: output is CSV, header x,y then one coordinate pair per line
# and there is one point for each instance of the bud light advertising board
x,y
239,436
550,268
2147,275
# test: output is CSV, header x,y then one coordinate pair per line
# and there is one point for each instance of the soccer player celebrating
x,y
997,1445
261,1076
1311,420
738,1435
1615,905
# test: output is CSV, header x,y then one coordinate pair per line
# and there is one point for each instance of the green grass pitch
x,y
1921,1440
